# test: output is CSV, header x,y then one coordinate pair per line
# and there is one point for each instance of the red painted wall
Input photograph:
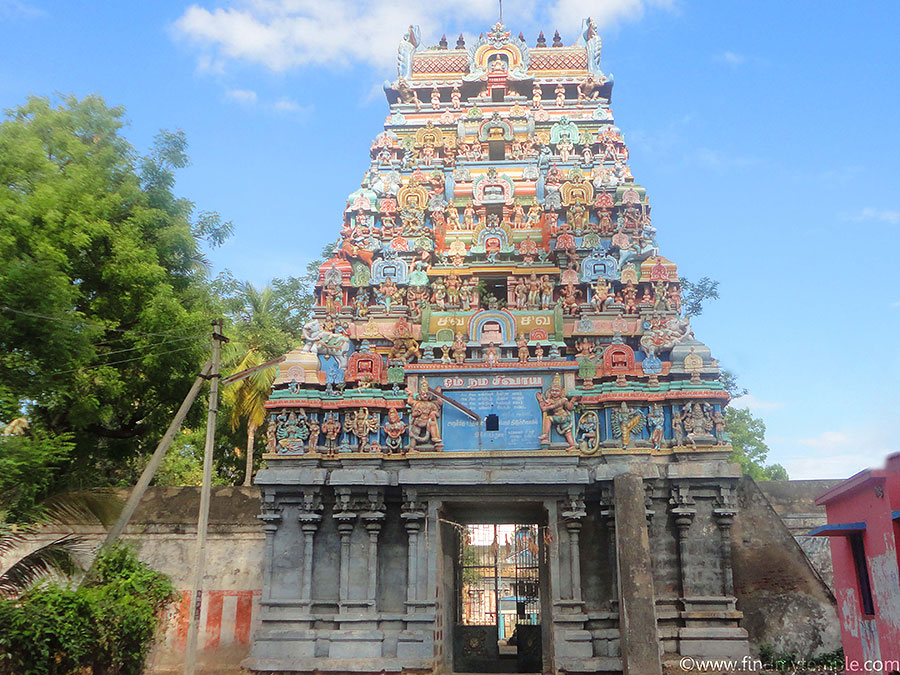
x,y
869,497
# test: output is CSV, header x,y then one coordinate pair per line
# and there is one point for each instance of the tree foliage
x,y
694,294
103,289
747,435
105,626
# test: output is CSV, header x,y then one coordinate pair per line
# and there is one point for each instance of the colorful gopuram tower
x,y
497,342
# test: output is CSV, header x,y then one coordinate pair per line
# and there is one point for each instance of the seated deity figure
x,y
394,429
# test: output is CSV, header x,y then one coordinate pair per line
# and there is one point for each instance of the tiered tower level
x,y
497,285
497,343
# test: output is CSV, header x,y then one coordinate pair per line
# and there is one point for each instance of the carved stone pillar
x,y
683,510
309,518
608,513
413,516
372,517
573,511
724,512
346,519
271,517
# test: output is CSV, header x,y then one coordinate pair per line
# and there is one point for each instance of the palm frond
x,y
83,507
55,557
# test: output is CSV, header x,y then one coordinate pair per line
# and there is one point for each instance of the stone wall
x,y
784,601
795,503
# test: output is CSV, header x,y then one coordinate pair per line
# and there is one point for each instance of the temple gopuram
x,y
500,447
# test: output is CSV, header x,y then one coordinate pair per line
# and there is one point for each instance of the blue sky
x,y
765,132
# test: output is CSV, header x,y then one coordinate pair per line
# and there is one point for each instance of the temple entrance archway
x,y
499,577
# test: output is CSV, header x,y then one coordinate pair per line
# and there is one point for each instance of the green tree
x,y
258,338
104,301
694,294
747,434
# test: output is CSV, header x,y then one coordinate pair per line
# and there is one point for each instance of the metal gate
x,y
498,623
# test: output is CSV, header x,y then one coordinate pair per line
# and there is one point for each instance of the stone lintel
x,y
493,476
290,476
358,477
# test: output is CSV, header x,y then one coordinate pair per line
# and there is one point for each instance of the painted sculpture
x,y
497,244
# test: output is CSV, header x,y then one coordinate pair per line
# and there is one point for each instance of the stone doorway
x,y
497,589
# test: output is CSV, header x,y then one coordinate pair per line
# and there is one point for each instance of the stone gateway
x,y
500,447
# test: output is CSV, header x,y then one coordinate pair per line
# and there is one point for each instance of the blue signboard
x,y
510,419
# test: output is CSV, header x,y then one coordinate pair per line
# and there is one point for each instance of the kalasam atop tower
x,y
499,433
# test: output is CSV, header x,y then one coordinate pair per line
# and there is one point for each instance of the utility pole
x,y
190,659
155,460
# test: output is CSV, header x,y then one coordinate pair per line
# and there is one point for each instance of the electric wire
x,y
114,363
75,322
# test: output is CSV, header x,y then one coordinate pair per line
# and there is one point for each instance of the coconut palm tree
x,y
246,400
258,338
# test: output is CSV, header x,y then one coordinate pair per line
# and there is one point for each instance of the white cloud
x,y
569,13
870,213
246,96
285,34
752,403
827,440
16,9
836,453
731,58
287,105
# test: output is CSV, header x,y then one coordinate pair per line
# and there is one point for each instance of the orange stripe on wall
x,y
243,616
214,619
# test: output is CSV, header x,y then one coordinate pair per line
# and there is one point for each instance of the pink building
x,y
864,526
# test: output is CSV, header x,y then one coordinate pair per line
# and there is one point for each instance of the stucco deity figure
x,y
577,216
522,348
534,292
454,98
520,294
656,422
360,423
492,354
314,430
601,294
536,96
570,299
697,421
408,94
331,427
435,98
453,285
584,356
564,149
534,216
626,421
588,89
424,418
361,303
452,216
439,293
469,217
394,429
546,292
718,420
518,218
557,409
560,93
458,350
